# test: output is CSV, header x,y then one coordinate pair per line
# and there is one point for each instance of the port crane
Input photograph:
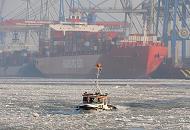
x,y
125,7
120,7
175,27
167,19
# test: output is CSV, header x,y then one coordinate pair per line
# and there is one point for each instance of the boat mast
x,y
99,69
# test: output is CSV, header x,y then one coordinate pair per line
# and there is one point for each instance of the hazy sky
x,y
13,6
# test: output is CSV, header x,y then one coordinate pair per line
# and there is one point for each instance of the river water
x,y
48,104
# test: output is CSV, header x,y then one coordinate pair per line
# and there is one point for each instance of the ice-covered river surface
x,y
48,104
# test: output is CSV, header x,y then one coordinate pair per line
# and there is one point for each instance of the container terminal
x,y
67,38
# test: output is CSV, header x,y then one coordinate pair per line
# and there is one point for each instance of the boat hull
x,y
89,107
128,62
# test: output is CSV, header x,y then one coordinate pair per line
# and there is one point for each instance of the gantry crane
x,y
175,13
125,7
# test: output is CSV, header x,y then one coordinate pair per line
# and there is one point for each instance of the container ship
x,y
74,48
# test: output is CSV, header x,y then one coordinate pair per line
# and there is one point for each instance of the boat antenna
x,y
99,69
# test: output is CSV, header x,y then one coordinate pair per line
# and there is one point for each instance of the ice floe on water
x,y
50,104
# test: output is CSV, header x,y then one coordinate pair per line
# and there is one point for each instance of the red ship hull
x,y
132,62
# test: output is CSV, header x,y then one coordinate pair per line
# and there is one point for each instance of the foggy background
x,y
12,7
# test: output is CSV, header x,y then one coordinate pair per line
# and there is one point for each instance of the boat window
x,y
91,100
96,100
108,101
105,101
85,99
100,100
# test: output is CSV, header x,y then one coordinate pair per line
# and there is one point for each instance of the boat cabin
x,y
95,101
90,98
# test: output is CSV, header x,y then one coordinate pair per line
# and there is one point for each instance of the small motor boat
x,y
97,100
